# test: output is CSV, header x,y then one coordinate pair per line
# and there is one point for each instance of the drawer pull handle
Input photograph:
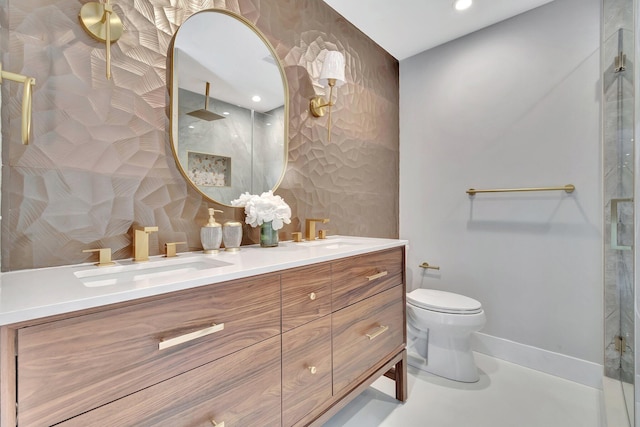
x,y
313,370
378,331
312,296
377,275
163,344
215,424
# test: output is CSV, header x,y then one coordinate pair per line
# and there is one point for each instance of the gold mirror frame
x,y
172,84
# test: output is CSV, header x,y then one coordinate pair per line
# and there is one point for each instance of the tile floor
x,y
507,395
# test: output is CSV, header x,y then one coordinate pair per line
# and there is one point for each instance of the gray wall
x,y
513,105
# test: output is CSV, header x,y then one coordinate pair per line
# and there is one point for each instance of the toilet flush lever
x,y
427,266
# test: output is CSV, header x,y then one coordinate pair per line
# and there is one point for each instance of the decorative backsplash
x,y
100,158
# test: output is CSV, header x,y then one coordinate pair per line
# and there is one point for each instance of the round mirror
x,y
229,107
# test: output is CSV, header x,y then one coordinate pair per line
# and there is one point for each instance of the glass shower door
x,y
618,164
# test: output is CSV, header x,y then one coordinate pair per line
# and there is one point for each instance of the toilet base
x,y
451,360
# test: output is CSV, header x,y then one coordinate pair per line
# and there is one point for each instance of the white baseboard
x,y
560,365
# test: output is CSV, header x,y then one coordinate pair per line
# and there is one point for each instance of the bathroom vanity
x,y
282,336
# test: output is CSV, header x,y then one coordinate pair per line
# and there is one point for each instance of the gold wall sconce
x,y
26,99
94,18
332,75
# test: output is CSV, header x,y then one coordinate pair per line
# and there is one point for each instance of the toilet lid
x,y
444,302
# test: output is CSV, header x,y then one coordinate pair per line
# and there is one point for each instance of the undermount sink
x,y
332,243
119,274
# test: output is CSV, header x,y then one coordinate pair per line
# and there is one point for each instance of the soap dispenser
x,y
211,234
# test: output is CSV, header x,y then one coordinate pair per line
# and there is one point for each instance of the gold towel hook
x,y
94,18
26,99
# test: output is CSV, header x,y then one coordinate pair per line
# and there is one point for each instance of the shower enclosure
x,y
618,105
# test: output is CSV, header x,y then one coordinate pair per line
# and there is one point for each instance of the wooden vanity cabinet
x,y
242,389
368,331
71,366
283,349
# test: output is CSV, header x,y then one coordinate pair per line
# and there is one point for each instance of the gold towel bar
x,y
26,99
568,188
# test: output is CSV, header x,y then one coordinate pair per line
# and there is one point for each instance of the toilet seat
x,y
443,302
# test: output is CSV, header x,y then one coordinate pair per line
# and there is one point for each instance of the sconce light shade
x,y
332,68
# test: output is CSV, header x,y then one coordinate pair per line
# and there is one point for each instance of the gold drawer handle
x,y
312,296
163,344
379,331
215,424
378,275
313,370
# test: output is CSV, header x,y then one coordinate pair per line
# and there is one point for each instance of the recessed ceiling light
x,y
462,4
256,98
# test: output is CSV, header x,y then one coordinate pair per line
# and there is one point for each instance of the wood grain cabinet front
x,y
359,277
306,369
239,390
71,366
306,295
366,333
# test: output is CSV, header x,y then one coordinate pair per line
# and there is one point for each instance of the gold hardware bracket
x,y
569,188
313,370
170,249
28,82
620,344
426,265
104,255
318,105
377,275
313,296
94,18
379,330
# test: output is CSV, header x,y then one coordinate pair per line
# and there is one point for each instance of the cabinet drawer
x,y
71,366
306,369
239,390
360,277
306,295
366,333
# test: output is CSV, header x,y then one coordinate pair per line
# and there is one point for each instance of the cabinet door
x,y
240,390
365,334
356,278
71,366
306,369
306,295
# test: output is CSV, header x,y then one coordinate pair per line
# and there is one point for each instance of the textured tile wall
x,y
101,161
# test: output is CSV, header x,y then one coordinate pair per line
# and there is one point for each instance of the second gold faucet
x,y
310,227
141,242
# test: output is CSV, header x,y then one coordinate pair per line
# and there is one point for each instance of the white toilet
x,y
440,325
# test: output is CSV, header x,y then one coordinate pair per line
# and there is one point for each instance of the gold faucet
x,y
310,227
141,242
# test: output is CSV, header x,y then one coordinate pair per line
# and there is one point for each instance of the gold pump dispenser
x,y
211,234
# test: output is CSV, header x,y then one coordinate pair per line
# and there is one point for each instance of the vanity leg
x,y
401,378
399,374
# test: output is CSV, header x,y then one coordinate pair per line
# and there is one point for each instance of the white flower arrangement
x,y
264,208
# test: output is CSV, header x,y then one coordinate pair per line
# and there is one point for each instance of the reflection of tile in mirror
x,y
209,170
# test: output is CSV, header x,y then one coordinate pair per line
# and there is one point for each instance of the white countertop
x,y
32,294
